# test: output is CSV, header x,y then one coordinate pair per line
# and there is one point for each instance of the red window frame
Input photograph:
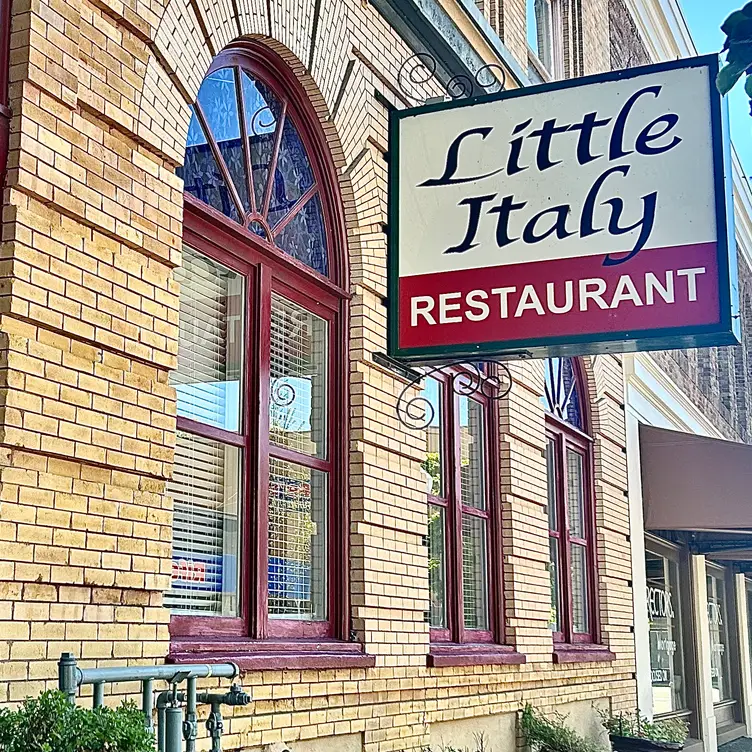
x,y
456,644
565,438
268,270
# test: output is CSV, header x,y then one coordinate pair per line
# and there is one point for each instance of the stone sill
x,y
251,655
582,654
473,655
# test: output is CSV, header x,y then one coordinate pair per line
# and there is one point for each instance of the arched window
x,y
571,517
260,520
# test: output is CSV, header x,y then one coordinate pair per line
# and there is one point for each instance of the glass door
x,y
670,634
667,670
720,615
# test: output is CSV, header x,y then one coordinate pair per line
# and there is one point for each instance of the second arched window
x,y
570,504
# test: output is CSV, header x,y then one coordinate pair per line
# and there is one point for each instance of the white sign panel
x,y
582,216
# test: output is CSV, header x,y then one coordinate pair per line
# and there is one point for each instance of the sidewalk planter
x,y
551,734
633,732
635,744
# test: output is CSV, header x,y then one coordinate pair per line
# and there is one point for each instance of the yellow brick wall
x,y
88,334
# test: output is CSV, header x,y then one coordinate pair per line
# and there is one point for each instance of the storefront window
x,y
666,646
749,617
720,673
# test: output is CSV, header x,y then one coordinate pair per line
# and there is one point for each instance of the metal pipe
x,y
215,727
164,698
99,694
67,679
157,673
147,703
160,728
190,726
173,729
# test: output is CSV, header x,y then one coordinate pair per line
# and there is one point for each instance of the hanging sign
x,y
583,216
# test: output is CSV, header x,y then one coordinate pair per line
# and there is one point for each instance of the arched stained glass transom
x,y
245,158
562,397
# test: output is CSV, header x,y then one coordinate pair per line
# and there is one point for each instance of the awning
x,y
695,483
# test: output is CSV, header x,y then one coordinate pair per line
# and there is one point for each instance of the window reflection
x,y
219,166
666,644
720,676
210,353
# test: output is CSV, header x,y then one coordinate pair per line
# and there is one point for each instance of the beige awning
x,y
693,482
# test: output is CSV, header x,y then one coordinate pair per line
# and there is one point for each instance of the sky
x,y
704,18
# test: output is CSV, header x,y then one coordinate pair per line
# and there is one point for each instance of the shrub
x,y
552,735
50,723
636,725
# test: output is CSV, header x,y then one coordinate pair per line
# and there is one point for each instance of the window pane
x,y
553,568
539,25
666,652
262,113
205,488
474,569
201,174
210,352
293,175
433,464
437,566
297,542
720,675
749,621
580,595
551,479
219,102
575,494
298,390
472,453
304,237
562,397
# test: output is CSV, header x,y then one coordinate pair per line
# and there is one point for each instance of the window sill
x,y
582,654
273,654
472,655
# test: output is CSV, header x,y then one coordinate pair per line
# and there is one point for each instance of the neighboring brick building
x,y
305,525
692,631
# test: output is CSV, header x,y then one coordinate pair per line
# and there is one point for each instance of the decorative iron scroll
x,y
491,379
420,68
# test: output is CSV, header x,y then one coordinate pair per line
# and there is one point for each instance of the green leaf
x,y
728,76
740,53
730,24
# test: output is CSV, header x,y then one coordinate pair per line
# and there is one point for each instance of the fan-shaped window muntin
x,y
247,158
562,396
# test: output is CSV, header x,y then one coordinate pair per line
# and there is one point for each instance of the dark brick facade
x,y
717,380
627,49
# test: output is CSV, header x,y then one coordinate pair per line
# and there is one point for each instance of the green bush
x,y
552,735
50,723
636,725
